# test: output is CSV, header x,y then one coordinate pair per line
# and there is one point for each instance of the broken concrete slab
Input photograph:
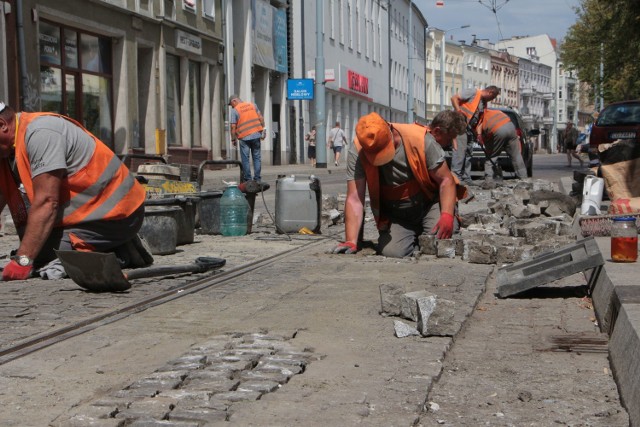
x,y
547,267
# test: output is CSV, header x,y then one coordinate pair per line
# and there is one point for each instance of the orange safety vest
x,y
492,120
413,141
102,190
469,108
249,120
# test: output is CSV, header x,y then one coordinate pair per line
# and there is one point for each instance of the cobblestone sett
x,y
161,423
86,421
210,385
198,415
200,386
240,395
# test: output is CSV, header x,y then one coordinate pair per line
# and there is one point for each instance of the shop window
x,y
173,100
75,77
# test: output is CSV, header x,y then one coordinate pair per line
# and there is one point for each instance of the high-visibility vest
x,y
102,190
492,120
471,106
249,120
413,141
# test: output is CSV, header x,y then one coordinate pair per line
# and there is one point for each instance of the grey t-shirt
x,y
337,136
55,143
468,94
397,171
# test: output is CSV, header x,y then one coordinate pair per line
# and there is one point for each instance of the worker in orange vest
x,y
499,133
411,188
471,103
65,190
247,125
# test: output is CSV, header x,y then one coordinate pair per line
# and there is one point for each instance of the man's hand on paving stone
x,y
444,227
15,271
345,248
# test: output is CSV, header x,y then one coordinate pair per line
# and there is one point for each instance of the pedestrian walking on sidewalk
x,y
247,125
471,103
411,189
79,195
337,139
311,145
570,143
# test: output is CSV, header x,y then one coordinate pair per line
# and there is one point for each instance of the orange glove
x,y
14,271
444,227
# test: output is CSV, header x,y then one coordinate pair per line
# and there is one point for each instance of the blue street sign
x,y
300,89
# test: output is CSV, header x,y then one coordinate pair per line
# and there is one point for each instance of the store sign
x,y
300,89
357,82
188,42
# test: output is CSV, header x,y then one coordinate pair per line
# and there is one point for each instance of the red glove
x,y
444,227
14,271
345,248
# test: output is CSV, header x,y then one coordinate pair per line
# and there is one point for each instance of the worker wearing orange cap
x,y
411,189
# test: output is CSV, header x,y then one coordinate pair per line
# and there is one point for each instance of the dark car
x,y
502,159
619,120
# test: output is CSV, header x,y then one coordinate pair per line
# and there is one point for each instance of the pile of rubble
x,y
515,221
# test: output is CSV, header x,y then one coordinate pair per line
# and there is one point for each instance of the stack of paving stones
x,y
515,221
200,387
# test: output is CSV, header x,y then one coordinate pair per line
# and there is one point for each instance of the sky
x,y
514,18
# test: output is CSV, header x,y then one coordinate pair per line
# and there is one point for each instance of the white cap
x,y
2,106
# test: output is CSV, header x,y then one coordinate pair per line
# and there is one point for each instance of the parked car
x,y
502,159
619,120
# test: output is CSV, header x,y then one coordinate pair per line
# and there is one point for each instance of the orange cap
x,y
374,135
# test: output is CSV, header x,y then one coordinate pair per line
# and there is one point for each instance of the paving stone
x,y
156,407
259,386
534,232
427,243
506,254
213,403
158,384
87,421
198,415
276,367
136,392
240,365
446,248
286,359
436,317
168,375
403,330
161,423
191,397
212,386
391,298
181,366
408,304
240,395
189,359
205,374
264,376
478,252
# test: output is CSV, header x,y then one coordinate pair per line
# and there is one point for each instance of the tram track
x,y
41,341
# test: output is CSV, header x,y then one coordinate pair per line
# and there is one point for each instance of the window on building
x,y
144,6
194,103
173,100
332,19
209,9
76,77
189,5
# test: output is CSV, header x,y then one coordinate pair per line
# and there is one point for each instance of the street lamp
x,y
442,70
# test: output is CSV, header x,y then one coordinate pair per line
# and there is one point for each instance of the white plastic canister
x,y
298,203
592,195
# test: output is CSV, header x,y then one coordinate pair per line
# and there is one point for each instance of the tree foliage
x,y
607,31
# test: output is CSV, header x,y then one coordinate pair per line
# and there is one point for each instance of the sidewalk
x,y
616,299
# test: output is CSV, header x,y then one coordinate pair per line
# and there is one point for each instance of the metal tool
x,y
101,272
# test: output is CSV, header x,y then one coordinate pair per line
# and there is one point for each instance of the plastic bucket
x,y
160,228
185,220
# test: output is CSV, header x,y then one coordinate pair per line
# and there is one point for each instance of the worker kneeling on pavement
x,y
79,195
411,189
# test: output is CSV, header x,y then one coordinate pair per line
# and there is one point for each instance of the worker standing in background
x,y
247,125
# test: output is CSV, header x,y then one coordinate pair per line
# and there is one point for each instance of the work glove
x,y
14,271
444,227
345,248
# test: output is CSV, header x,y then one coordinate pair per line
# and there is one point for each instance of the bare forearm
x,y
39,225
447,196
353,217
